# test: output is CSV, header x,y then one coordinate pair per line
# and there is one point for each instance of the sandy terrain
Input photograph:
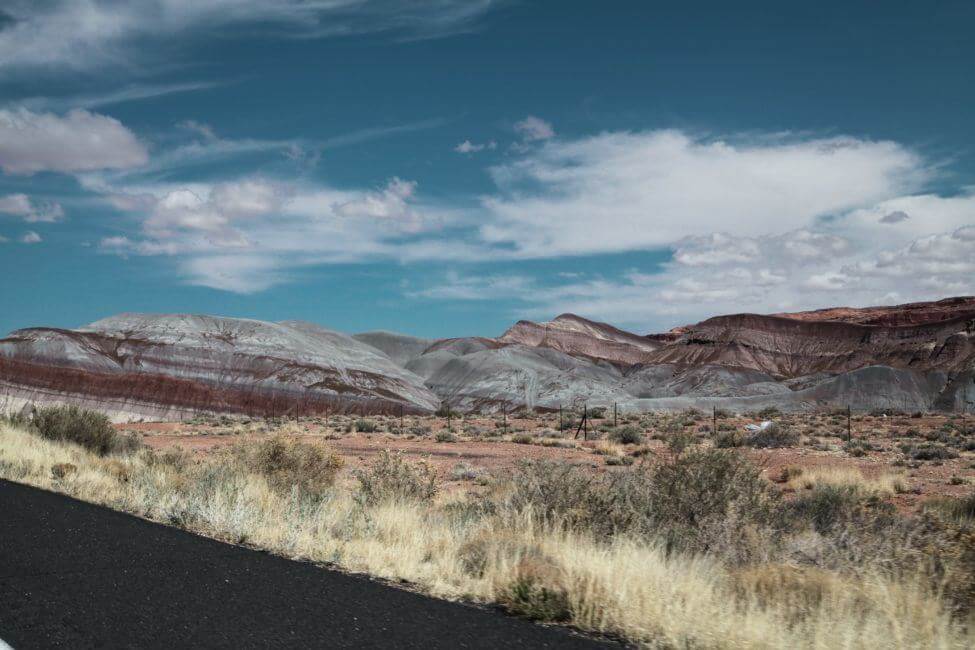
x,y
482,445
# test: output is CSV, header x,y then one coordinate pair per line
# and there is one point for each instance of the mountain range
x,y
913,357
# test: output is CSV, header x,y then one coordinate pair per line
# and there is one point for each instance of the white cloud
x,y
629,191
30,237
75,142
469,147
390,203
894,217
20,205
82,34
491,287
270,227
534,129
199,128
767,224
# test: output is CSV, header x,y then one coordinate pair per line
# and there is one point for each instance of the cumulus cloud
x,y
30,237
761,224
629,191
245,235
78,34
21,205
78,141
533,129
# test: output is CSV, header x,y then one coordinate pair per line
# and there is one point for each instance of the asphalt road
x,y
77,575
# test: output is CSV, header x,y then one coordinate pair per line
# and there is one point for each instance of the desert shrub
x,y
392,478
627,435
953,507
597,412
522,439
287,463
858,447
90,429
60,471
363,425
928,451
774,435
685,501
537,590
445,436
445,411
680,441
464,472
419,430
695,494
728,439
827,506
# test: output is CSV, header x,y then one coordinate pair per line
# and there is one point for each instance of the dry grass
x,y
885,484
450,548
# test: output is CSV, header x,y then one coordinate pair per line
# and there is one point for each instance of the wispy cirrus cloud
x,y
87,34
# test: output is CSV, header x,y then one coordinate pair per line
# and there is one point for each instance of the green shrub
x,y
363,425
627,435
391,478
445,436
90,429
728,439
683,500
928,451
774,435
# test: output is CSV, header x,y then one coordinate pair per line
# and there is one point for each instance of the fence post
x,y
561,428
849,423
714,420
614,414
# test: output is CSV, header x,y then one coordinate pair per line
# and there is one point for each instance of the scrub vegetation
x,y
693,548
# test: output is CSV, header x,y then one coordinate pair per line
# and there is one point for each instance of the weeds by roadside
x,y
694,549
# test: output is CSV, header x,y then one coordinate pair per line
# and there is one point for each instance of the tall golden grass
x,y
622,586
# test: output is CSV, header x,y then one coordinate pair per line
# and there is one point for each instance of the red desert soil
x,y
489,448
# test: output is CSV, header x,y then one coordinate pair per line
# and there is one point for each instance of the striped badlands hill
x,y
173,366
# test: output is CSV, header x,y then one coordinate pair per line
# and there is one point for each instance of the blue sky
x,y
444,168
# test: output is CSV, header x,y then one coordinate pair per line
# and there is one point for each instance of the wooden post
x,y
326,416
614,414
401,429
849,424
714,420
585,421
448,414
561,428
504,415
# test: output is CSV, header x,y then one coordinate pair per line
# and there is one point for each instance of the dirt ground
x,y
933,454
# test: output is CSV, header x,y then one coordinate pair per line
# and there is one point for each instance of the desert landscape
x,y
817,517
461,324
